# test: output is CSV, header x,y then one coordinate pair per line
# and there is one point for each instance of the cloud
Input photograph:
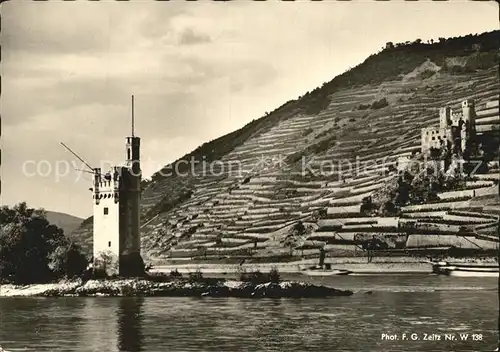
x,y
189,37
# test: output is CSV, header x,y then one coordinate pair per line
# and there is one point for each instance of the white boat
x,y
466,270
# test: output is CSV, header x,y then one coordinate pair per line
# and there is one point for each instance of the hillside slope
x,y
68,223
293,164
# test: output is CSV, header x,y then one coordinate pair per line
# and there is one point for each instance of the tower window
x,y
109,244
128,154
106,211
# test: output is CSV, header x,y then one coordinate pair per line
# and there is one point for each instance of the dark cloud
x,y
190,37
76,28
30,27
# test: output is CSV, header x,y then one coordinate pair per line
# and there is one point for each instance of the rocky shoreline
x,y
175,288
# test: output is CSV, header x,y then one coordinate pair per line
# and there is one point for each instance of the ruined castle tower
x,y
468,132
117,194
456,128
444,117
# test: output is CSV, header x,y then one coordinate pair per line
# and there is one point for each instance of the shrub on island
x,y
257,277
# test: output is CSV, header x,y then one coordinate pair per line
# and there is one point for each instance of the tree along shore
x,y
34,251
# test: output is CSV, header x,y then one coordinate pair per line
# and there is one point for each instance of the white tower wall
x,y
106,235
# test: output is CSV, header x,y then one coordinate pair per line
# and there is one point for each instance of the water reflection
x,y
130,319
25,323
216,324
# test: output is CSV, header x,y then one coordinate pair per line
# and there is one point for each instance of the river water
x,y
398,305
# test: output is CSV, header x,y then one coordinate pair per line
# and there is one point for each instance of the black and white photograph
x,y
249,176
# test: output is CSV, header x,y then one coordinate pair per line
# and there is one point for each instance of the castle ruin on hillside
x,y
456,132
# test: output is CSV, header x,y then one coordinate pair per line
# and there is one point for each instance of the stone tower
x,y
117,194
457,129
469,116
468,130
469,112
444,117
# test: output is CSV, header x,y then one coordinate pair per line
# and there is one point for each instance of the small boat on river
x,y
325,270
466,269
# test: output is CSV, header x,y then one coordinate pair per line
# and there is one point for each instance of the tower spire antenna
x,y
132,116
79,158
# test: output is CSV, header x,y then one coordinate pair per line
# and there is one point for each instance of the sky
x,y
198,70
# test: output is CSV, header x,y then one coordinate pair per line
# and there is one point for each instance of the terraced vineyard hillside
x,y
299,178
